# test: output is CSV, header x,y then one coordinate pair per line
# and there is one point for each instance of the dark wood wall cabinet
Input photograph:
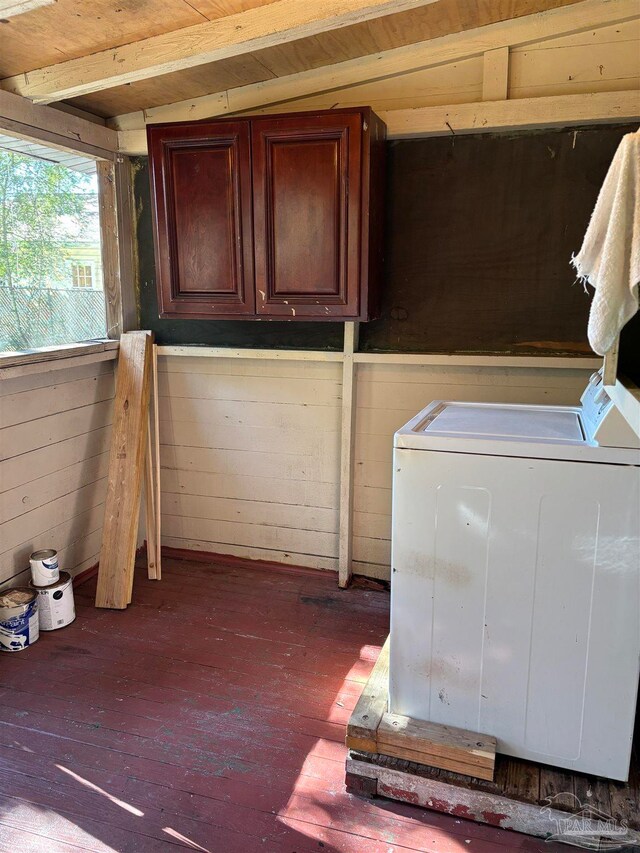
x,y
270,217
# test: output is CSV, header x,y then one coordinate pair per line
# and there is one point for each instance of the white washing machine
x,y
515,594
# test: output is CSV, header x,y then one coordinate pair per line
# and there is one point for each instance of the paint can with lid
x,y
44,567
19,627
55,603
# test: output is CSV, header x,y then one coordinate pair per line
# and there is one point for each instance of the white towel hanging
x,y
609,259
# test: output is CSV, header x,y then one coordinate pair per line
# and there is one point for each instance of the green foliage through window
x,y
48,225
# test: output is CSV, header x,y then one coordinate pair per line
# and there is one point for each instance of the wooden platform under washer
x,y
372,729
523,796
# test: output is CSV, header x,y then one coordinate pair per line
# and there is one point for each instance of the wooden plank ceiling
x,y
70,29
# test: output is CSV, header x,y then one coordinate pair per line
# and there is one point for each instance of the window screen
x,y
51,287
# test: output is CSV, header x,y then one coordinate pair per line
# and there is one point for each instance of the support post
x,y
495,74
116,225
610,368
347,442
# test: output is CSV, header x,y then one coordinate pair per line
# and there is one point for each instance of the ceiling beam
x,y
566,20
21,118
518,114
495,74
255,29
13,8
484,117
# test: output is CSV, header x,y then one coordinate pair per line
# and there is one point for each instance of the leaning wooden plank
x,y
372,704
150,509
126,463
156,464
437,740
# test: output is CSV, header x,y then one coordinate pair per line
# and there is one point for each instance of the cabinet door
x,y
306,196
201,182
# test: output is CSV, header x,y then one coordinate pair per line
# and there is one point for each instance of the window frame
x,y
70,131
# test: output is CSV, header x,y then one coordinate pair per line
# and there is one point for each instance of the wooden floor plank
x,y
28,842
215,706
210,651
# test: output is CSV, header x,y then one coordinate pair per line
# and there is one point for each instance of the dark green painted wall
x,y
479,235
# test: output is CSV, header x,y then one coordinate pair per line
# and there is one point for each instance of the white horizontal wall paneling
x,y
251,447
388,395
250,457
54,448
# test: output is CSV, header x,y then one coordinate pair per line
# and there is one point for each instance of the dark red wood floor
x,y
209,716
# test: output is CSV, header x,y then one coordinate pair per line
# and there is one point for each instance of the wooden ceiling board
x,y
428,22
605,60
449,16
454,83
70,29
190,83
628,31
26,48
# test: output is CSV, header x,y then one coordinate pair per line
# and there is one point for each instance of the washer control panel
x,y
603,422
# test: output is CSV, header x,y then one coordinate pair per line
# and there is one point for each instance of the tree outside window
x,y
50,266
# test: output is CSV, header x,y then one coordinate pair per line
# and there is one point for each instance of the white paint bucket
x,y
55,603
44,567
18,619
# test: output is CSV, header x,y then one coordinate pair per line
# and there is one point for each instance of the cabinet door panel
x,y
307,187
204,245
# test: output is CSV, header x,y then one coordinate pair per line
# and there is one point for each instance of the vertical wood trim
x,y
345,542
126,230
107,206
495,74
610,369
116,227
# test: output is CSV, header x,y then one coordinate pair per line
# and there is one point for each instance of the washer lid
x,y
515,423
491,429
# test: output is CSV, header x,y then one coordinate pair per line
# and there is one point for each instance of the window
x,y
51,286
82,275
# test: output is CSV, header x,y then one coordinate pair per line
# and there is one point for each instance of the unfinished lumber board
x,y
150,509
495,74
155,435
441,51
126,464
60,129
200,44
438,762
371,706
347,447
435,743
372,729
